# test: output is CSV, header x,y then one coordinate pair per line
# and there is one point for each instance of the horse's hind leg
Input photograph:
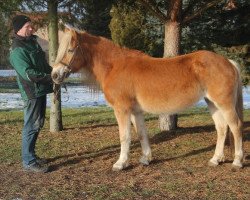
x,y
222,129
124,123
139,124
231,118
235,125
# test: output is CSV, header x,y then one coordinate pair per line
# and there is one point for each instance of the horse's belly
x,y
175,104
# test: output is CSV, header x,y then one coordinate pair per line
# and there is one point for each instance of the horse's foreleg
x,y
123,119
139,124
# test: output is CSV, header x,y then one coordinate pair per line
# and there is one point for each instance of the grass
x,y
82,155
8,85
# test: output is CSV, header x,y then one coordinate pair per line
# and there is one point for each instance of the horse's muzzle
x,y
58,74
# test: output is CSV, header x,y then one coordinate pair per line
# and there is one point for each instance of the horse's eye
x,y
70,50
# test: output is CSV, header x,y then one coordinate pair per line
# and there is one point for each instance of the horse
x,y
134,83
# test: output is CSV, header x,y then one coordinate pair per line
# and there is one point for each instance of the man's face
x,y
26,30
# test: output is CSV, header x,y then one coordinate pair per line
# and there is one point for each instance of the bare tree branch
x,y
68,3
40,3
187,19
188,9
152,8
174,10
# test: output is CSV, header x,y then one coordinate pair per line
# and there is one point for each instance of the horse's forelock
x,y
64,44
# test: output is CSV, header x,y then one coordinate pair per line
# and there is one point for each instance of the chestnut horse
x,y
134,82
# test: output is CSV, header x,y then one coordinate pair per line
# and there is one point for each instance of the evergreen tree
x,y
93,16
220,25
6,8
133,27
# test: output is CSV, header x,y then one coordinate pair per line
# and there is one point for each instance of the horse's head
x,y
69,56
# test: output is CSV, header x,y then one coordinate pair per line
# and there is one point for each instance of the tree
x,y
171,48
95,17
223,26
5,11
132,27
55,110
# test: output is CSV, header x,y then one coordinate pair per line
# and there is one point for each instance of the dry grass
x,y
81,159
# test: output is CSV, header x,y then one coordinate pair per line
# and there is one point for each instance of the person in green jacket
x,y
34,81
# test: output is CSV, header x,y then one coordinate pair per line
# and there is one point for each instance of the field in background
x,y
82,155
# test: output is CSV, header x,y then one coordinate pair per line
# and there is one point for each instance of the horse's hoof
x,y
212,164
222,159
236,166
144,161
119,167
116,169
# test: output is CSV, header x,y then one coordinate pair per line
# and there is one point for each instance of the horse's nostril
x,y
54,76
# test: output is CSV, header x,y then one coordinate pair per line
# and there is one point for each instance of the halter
x,y
74,55
71,60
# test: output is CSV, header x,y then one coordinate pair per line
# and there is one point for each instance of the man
x,y
34,81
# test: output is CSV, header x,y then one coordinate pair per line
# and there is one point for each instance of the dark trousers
x,y
34,116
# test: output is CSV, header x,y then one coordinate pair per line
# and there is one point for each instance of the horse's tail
x,y
239,100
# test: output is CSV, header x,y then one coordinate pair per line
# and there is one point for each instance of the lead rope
x,y
65,87
56,90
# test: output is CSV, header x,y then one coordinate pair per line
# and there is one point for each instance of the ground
x,y
82,155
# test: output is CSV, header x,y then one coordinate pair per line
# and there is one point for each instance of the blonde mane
x,y
64,44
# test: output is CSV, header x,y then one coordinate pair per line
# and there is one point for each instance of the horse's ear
x,y
74,34
67,28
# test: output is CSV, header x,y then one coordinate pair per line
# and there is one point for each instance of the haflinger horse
x,y
134,82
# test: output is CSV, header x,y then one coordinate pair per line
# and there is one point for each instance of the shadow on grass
x,y
72,160
192,153
246,133
92,126
169,135
115,149
77,158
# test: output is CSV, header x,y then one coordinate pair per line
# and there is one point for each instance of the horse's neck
x,y
102,53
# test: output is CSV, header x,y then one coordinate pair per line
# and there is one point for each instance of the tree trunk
x,y
55,111
171,48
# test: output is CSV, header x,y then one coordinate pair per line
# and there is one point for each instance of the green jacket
x,y
33,71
